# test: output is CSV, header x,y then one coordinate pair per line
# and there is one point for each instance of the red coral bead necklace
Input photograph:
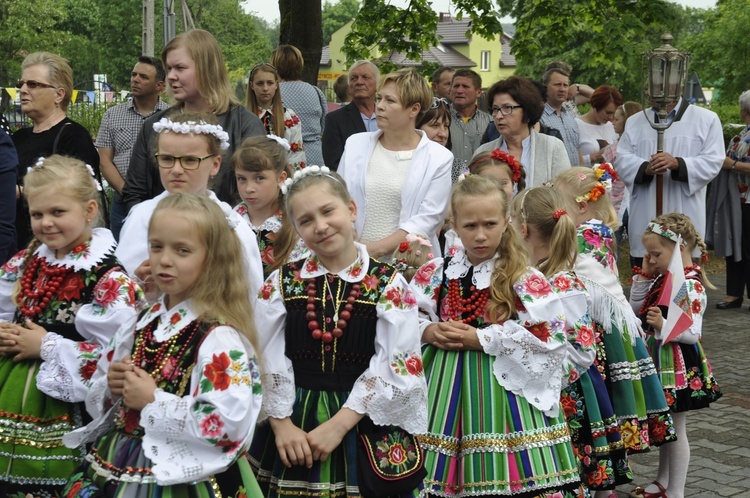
x,y
458,305
37,297
340,320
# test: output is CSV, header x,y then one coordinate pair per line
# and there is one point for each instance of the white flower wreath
x,y
202,128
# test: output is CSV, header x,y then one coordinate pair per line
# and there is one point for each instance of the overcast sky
x,y
269,9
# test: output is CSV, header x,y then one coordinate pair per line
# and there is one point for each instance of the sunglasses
x,y
32,85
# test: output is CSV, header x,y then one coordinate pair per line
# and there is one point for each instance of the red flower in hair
x,y
403,247
515,167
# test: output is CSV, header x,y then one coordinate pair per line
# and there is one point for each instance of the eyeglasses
x,y
165,161
505,110
32,85
436,102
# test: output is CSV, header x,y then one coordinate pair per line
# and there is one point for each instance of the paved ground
x,y
719,435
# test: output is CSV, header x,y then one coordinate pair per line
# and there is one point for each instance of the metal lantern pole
x,y
667,68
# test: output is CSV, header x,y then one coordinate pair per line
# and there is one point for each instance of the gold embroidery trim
x,y
29,442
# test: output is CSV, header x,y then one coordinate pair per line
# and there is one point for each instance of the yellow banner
x,y
329,76
74,97
12,92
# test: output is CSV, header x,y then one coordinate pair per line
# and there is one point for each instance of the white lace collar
x,y
171,320
353,273
272,223
84,256
460,265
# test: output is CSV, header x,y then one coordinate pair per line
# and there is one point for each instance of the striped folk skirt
x,y
485,440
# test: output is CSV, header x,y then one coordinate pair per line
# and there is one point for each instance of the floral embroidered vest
x,y
76,290
337,365
171,367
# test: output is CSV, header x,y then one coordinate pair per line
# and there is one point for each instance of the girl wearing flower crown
x,y
264,99
261,167
491,325
550,235
61,301
499,164
622,357
176,396
189,147
340,349
687,378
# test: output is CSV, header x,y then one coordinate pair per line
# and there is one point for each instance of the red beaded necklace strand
x,y
159,355
51,278
474,304
340,320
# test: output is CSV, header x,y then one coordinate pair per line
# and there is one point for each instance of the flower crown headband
x,y
201,128
40,164
664,231
515,167
281,141
300,174
605,174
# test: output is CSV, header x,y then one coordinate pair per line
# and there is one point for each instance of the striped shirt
x,y
566,123
466,137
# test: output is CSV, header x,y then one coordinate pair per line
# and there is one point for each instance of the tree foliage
x,y
335,15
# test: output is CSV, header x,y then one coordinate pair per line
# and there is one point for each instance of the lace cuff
x,y
49,343
523,364
53,378
278,396
386,404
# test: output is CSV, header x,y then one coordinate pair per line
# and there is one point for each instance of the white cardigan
x,y
426,193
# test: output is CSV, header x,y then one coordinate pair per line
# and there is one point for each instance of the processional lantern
x,y
667,68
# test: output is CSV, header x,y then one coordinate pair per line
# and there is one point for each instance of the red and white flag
x,y
674,296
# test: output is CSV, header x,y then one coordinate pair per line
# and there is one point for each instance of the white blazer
x,y
426,193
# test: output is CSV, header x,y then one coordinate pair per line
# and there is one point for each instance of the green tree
x,y
720,52
336,15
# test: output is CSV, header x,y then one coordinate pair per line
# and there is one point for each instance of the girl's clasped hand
x,y
23,342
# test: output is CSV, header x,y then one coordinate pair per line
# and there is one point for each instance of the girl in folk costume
x,y
550,235
499,165
495,344
260,166
622,357
684,371
176,395
340,353
189,147
264,99
61,301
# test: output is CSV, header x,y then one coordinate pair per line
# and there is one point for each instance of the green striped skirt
x,y
32,456
485,440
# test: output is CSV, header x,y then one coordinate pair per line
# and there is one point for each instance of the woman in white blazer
x,y
517,106
399,179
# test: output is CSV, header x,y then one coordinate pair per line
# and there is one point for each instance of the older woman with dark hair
x,y
517,106
45,88
595,128
308,101
436,123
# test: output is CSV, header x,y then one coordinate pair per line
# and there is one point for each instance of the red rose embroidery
x,y
698,288
540,331
537,286
155,307
696,384
132,420
568,405
670,399
393,295
107,292
585,336
71,288
74,489
88,369
294,146
562,283
212,425
413,365
216,372
175,318
110,355
266,256
696,308
356,271
424,274
228,446
370,282
266,291
410,299
87,347
169,371
311,266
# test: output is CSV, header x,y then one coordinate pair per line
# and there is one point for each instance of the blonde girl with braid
x,y
61,301
683,369
550,235
490,325
622,358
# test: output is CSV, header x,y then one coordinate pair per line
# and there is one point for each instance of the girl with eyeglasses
x,y
189,147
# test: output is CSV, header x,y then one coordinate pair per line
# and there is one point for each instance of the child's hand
x,y
325,438
469,337
444,336
25,341
291,442
655,318
146,279
116,375
138,389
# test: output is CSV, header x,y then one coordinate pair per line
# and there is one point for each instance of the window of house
x,y
485,60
